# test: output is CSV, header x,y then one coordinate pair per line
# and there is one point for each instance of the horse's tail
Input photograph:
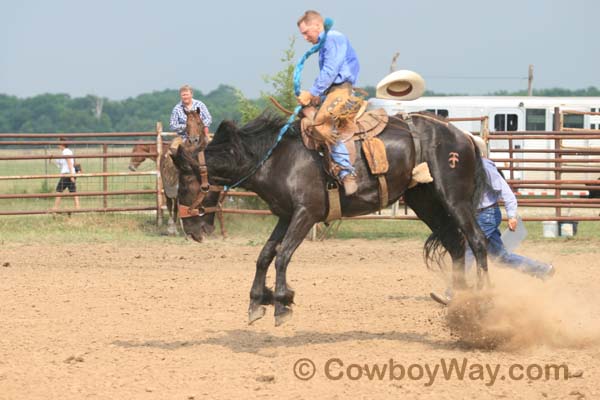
x,y
448,235
481,180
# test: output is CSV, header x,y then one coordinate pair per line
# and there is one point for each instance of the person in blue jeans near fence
x,y
489,219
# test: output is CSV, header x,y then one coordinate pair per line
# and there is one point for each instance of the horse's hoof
x,y
256,313
441,299
283,317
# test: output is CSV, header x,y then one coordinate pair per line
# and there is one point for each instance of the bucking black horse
x,y
293,183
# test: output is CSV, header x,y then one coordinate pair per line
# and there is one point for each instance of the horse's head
x,y
189,191
195,127
135,161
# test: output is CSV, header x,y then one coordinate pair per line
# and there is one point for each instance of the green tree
x,y
222,104
249,109
282,83
282,88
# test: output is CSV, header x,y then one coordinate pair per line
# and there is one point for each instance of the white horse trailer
x,y
508,113
505,113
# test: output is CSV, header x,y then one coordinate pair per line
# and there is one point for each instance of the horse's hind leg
x,y
299,227
260,295
467,223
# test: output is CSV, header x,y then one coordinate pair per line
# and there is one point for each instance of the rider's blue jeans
x,y
489,220
340,156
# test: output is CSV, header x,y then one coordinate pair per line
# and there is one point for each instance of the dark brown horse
x,y
144,151
169,174
292,182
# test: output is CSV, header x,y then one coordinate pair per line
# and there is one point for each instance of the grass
x,y
254,230
86,228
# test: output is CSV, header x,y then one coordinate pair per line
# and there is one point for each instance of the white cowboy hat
x,y
401,85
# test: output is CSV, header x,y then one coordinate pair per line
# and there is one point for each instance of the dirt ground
x,y
149,321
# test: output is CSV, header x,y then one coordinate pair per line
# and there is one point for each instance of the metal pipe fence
x,y
551,192
103,180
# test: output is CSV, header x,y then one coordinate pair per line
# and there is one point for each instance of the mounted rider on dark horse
x,y
291,179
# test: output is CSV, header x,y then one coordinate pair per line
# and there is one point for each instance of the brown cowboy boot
x,y
350,185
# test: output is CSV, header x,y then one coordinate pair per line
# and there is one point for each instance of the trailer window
x,y
506,122
573,121
440,111
594,118
535,119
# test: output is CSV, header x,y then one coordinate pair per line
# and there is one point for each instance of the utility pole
x,y
530,81
393,65
98,107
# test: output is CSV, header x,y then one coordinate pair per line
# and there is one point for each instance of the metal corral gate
x,y
19,148
563,173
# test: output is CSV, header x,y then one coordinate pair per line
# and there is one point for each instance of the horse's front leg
x,y
222,224
299,227
171,226
260,295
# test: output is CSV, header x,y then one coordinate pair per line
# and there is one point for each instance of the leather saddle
x,y
365,127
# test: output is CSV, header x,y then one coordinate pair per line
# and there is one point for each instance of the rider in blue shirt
x,y
338,71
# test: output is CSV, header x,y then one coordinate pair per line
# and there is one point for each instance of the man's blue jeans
x,y
340,156
489,220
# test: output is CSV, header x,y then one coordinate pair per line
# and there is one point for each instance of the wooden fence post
x,y
485,131
558,126
105,178
159,185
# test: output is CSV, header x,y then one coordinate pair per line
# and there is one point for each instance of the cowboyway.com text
x,y
336,369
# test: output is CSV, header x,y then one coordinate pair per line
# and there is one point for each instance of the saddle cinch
x,y
360,126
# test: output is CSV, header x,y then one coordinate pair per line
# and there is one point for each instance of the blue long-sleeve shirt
x,y
338,63
179,119
498,190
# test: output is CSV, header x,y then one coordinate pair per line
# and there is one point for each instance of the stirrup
x,y
350,184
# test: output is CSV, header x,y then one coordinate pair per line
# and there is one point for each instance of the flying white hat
x,y
401,85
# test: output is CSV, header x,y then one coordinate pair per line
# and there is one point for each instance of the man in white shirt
x,y
66,166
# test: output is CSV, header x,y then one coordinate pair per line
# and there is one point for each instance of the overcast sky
x,y
122,48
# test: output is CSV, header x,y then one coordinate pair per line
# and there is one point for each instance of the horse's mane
x,y
249,143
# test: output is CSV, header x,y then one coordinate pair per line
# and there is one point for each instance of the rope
x,y
328,23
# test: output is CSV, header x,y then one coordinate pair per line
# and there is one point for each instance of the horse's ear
x,y
198,110
185,111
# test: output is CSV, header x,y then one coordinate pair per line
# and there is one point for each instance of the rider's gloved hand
x,y
304,98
